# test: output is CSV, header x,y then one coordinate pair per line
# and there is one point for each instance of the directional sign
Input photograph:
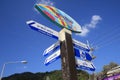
x,y
84,55
43,29
85,65
80,45
79,63
52,33
56,55
52,58
52,48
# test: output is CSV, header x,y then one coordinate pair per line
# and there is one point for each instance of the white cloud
x,y
94,21
86,28
46,2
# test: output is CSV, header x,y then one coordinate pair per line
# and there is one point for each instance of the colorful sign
x,y
58,17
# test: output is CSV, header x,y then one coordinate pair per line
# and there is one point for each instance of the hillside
x,y
53,75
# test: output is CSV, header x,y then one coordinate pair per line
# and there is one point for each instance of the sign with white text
x,y
43,29
52,33
52,58
56,55
85,65
52,48
84,55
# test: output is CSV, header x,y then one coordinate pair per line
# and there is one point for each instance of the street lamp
x,y
23,62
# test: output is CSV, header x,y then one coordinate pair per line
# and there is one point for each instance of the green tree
x,y
106,68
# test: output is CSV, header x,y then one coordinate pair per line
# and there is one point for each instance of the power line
x,y
107,37
109,41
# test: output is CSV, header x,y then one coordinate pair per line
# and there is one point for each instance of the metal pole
x,y
2,71
69,71
3,68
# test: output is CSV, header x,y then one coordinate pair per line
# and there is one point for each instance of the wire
x,y
107,38
112,32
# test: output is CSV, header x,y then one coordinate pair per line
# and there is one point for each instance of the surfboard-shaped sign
x,y
58,17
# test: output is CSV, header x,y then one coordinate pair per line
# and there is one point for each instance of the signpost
x,y
69,48
80,49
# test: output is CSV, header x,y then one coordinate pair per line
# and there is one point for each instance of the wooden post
x,y
69,71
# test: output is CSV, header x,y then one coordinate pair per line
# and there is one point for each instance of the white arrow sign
x,y
52,48
80,45
56,55
79,63
85,65
52,33
42,29
52,58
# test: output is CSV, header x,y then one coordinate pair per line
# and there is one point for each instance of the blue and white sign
x,y
79,63
42,29
52,33
85,65
52,58
52,48
56,55
80,45
84,55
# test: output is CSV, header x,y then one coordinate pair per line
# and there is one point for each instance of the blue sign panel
x,y
85,65
52,48
54,34
52,58
85,55
42,29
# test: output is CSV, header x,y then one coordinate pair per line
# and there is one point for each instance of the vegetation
x,y
106,68
53,75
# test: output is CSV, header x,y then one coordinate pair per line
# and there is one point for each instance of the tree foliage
x,y
53,75
108,67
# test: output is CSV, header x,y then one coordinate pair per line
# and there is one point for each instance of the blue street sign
x,y
52,33
85,65
84,55
52,58
56,55
52,48
80,45
79,63
42,29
